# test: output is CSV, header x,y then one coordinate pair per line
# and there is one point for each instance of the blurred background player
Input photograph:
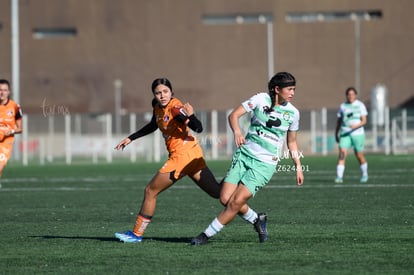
x,y
258,153
185,154
10,123
349,132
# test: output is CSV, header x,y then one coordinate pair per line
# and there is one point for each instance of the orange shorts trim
x,y
185,163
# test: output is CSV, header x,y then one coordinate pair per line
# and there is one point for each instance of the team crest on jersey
x,y
286,116
166,118
10,113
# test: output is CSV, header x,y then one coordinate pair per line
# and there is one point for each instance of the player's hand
x,y
299,177
8,132
121,145
355,126
239,139
188,109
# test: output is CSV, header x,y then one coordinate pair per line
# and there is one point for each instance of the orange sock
x,y
141,224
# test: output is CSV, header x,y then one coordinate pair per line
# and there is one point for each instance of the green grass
x,y
61,219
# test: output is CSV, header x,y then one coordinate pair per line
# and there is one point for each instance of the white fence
x,y
92,138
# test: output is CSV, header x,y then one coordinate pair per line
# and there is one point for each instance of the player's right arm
x,y
234,124
338,126
147,129
339,116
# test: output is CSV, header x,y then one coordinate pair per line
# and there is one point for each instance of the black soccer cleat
x,y
200,239
260,227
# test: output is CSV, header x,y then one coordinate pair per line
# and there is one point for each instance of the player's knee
x,y
234,205
224,199
150,192
223,202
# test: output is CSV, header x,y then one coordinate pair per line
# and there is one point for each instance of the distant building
x,y
71,52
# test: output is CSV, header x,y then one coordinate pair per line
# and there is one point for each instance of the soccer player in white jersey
x,y
349,132
273,118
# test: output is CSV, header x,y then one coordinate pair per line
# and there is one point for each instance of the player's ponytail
x,y
154,102
272,95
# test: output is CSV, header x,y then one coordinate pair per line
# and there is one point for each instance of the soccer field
x,y
61,219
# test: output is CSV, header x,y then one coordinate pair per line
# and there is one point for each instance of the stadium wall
x,y
213,67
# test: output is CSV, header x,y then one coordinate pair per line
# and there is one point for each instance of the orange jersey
x,y
9,113
176,134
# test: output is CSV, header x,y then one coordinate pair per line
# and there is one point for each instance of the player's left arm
x,y
18,129
363,119
361,123
295,154
185,114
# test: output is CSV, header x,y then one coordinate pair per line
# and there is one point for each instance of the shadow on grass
x,y
170,240
111,239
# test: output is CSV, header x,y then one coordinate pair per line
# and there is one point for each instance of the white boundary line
x,y
147,177
292,186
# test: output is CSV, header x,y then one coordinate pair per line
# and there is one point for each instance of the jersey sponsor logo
x,y
262,134
273,123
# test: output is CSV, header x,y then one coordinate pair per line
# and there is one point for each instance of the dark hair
x,y
4,81
163,81
350,89
281,80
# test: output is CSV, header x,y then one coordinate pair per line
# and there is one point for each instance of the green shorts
x,y
355,141
252,173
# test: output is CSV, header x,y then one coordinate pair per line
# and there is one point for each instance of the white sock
x,y
250,216
364,169
340,171
214,228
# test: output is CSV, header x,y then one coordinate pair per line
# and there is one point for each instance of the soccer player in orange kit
x,y
10,123
174,120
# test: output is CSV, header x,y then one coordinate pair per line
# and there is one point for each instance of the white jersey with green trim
x,y
267,130
351,114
